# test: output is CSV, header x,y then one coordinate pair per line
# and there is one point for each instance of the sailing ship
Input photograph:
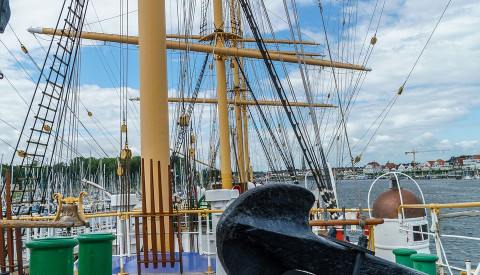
x,y
237,54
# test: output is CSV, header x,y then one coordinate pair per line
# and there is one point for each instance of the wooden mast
x,y
237,91
225,162
154,97
249,174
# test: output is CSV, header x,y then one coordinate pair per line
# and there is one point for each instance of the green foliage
x,y
87,165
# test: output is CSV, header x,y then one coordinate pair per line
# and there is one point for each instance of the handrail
x,y
345,222
337,210
435,210
437,207
204,211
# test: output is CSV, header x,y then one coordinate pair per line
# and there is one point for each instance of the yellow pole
x,y
238,111
243,39
225,162
245,129
219,49
243,101
244,109
153,96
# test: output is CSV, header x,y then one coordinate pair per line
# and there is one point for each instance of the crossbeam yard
x,y
220,50
243,102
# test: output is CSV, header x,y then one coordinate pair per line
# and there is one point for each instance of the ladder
x,y
204,10
49,102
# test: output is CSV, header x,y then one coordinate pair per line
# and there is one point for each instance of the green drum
x,y
95,253
51,256
402,256
425,263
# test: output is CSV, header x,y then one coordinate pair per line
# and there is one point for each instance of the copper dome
x,y
386,205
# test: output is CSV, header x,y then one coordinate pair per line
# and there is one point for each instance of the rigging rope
x,y
389,106
288,164
325,190
343,122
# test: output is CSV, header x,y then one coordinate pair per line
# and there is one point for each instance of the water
x,y
435,191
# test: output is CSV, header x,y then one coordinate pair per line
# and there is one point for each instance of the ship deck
x,y
193,263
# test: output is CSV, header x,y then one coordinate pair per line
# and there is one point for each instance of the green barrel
x,y
95,253
402,256
425,263
51,256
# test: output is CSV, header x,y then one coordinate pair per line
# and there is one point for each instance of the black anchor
x,y
266,231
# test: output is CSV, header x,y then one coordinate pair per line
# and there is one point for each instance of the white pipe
x,y
468,265
84,181
35,30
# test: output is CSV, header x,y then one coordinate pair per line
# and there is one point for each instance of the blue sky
x,y
437,110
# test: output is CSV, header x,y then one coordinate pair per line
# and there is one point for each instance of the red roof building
x,y
391,165
458,163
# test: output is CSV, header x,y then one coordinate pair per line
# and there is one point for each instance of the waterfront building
x,y
372,168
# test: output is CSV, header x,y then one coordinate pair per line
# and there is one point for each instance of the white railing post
x,y
200,235
93,224
468,265
477,270
87,228
29,237
218,200
120,241
128,222
35,234
208,232
437,240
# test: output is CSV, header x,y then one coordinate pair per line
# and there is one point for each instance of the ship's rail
x,y
436,231
205,211
122,225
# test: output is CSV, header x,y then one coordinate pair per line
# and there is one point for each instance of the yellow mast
x,y
153,95
220,52
244,112
225,162
237,91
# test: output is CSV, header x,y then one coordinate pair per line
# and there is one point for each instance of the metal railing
x,y
436,232
121,224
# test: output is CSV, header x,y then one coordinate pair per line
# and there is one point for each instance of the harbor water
x,y
434,191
